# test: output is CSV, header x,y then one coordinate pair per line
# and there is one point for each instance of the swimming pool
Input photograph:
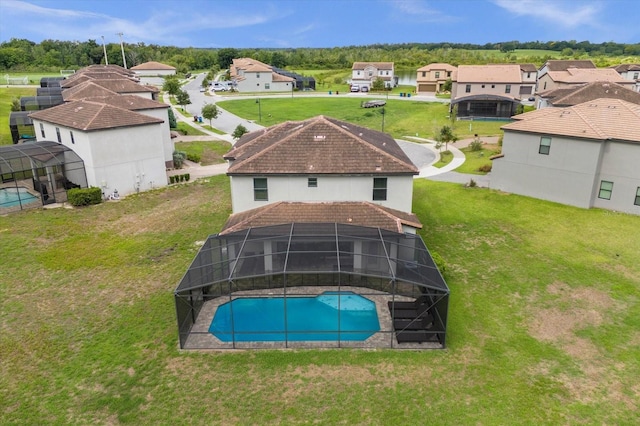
x,y
329,316
10,197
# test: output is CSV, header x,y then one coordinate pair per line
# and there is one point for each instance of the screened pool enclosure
x,y
33,174
392,270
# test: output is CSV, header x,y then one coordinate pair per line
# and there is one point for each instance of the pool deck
x,y
201,339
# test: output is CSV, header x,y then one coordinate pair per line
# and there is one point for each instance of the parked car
x,y
202,90
364,89
355,88
219,88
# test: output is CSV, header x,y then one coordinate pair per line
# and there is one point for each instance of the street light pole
x,y
124,61
104,48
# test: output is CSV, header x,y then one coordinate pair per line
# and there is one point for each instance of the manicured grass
x,y
445,158
210,152
476,159
188,130
543,321
6,97
402,118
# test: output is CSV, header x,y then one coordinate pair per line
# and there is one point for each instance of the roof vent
x,y
319,137
378,168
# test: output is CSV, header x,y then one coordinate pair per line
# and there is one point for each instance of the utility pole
x,y
104,48
124,61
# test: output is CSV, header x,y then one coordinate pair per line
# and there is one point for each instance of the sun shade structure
x,y
395,270
44,169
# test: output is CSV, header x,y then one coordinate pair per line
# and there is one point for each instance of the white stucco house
x,y
250,75
364,74
153,69
318,161
122,149
629,72
586,155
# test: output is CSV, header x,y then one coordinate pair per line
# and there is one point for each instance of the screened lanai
x,y
391,271
33,174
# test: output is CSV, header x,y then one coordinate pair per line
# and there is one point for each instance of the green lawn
x,y
474,160
544,321
210,152
402,118
445,158
6,96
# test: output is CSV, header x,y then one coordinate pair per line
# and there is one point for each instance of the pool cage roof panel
x,y
44,152
300,248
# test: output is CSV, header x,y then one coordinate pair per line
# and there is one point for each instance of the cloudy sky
x,y
319,23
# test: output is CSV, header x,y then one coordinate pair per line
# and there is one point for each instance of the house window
x,y
260,191
483,86
636,75
448,73
637,201
424,73
545,145
312,182
437,74
467,88
493,86
266,86
379,189
257,75
42,130
58,135
545,85
606,188
507,88
387,72
370,73
358,72
528,75
72,139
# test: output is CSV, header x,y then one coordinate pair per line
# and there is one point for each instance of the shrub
x,y
178,158
476,145
187,177
485,168
84,196
439,261
194,157
172,179
472,184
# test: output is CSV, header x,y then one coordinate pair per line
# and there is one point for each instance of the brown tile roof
x,y
152,65
107,68
87,116
124,86
437,66
600,119
528,67
353,213
280,77
376,65
591,91
563,65
248,65
579,75
319,145
130,102
626,67
84,90
507,73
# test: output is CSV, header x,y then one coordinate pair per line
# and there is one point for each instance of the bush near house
x,y
84,196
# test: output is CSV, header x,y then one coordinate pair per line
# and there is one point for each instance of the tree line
x,y
52,55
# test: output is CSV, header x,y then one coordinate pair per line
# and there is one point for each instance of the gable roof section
x,y
152,65
377,65
89,116
437,66
508,73
578,75
352,213
600,119
84,90
124,86
563,65
626,67
129,102
320,145
528,68
591,91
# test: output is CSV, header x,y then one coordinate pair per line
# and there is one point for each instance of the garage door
x,y
427,87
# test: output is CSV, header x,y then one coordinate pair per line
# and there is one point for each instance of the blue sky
x,y
319,23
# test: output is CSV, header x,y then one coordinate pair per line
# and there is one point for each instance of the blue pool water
x,y
10,197
330,316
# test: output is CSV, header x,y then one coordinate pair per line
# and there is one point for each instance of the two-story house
x,y
250,75
569,96
320,207
363,74
432,77
586,155
487,90
558,74
629,72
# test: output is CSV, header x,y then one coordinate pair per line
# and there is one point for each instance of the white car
x,y
219,88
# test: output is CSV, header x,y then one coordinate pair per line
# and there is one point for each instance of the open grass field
x,y
6,97
401,117
544,321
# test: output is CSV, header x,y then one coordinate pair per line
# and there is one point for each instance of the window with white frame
x,y
437,74
42,130
260,190
267,85
606,188
312,182
379,189
545,145
467,88
73,141
637,201
507,88
58,135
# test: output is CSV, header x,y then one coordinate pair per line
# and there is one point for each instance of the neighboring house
x,y
629,72
153,69
488,90
558,74
365,73
250,75
432,77
122,150
319,160
92,88
560,98
586,155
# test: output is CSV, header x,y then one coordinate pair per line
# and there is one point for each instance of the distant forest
x,y
20,55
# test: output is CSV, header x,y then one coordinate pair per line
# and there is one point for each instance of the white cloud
x,y
419,11
567,14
